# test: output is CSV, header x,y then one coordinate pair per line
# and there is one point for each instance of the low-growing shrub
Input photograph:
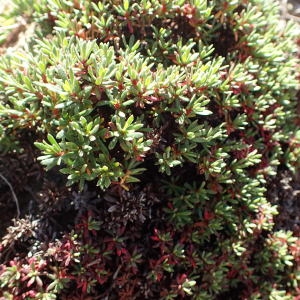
x,y
167,119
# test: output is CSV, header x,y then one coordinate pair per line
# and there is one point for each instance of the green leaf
x,y
204,112
41,146
52,140
126,5
51,87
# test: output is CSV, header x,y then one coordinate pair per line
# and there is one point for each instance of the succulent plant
x,y
177,113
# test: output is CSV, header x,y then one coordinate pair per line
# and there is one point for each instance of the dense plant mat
x,y
149,150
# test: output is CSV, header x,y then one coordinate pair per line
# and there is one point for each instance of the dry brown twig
x,y
13,194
